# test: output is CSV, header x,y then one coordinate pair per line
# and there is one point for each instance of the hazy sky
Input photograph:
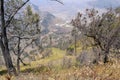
x,y
71,7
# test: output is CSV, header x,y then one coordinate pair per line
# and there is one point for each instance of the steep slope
x,y
50,22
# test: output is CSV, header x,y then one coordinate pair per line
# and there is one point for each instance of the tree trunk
x,y
18,65
75,44
105,59
4,44
22,62
18,55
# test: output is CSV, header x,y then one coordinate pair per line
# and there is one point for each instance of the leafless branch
x,y
12,16
58,1
27,46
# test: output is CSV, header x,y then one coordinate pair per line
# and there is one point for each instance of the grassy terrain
x,y
56,55
58,66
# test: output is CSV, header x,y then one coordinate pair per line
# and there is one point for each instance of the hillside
x,y
59,40
50,22
62,67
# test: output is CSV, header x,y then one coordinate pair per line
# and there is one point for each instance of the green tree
x,y
8,11
102,29
24,32
7,14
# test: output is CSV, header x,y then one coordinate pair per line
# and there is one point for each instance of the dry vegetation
x,y
58,66
93,56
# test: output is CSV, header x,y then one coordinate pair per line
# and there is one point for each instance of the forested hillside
x,y
72,42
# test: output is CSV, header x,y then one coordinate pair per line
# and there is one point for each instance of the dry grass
x,y
51,68
108,71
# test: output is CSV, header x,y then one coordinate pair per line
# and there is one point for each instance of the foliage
x,y
102,29
7,15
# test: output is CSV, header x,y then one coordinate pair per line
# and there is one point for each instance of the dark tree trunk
x,y
4,44
22,62
75,44
18,65
105,59
18,56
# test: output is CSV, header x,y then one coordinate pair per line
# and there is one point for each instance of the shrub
x,y
70,51
46,53
86,58
66,62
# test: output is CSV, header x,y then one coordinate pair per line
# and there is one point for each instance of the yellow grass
x,y
39,70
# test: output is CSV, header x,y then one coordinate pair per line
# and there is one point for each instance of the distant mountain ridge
x,y
48,21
